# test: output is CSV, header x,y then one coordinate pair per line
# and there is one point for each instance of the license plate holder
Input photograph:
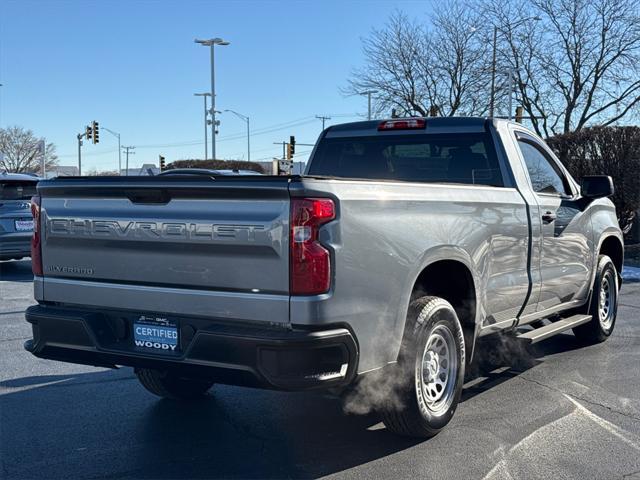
x,y
156,333
23,225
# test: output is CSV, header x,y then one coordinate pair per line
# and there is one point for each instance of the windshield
x,y
17,190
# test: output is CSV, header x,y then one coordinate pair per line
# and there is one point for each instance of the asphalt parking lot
x,y
563,412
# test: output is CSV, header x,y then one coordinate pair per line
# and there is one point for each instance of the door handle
x,y
548,217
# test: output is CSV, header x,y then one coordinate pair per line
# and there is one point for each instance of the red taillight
x,y
310,262
403,124
36,247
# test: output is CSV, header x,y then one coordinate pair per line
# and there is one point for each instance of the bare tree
x,y
414,67
394,68
19,149
461,57
575,62
578,66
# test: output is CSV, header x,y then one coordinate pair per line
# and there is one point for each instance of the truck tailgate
x,y
214,247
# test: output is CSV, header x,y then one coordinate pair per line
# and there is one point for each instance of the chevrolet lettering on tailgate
x,y
166,230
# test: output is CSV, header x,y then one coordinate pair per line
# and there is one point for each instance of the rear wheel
x,y
603,306
170,385
430,369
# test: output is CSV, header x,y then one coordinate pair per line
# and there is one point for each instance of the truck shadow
x,y
16,271
105,424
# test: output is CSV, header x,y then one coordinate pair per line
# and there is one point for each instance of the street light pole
x,y
117,135
206,112
510,92
211,43
79,154
246,119
494,66
213,104
493,72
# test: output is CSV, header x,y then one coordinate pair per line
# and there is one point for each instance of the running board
x,y
538,334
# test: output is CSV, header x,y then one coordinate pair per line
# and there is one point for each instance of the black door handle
x,y
548,217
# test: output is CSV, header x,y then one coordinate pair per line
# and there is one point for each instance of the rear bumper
x,y
296,359
15,245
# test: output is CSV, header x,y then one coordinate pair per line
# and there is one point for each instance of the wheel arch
x,y
611,246
452,278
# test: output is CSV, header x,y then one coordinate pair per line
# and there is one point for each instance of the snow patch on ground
x,y
630,274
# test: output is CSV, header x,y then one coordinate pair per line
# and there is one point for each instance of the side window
x,y
545,177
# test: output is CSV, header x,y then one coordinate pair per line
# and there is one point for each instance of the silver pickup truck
x,y
404,242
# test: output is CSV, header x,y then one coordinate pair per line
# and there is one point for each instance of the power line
x,y
235,136
187,143
271,156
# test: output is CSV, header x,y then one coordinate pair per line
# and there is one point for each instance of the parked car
x,y
16,222
405,242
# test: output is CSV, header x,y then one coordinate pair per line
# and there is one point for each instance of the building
x,y
144,170
62,171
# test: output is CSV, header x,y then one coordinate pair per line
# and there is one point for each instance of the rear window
x,y
445,158
17,190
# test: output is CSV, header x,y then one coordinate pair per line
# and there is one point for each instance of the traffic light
x,y
291,147
161,162
95,132
88,132
519,113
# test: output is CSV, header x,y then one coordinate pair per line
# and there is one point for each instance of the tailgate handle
x,y
160,197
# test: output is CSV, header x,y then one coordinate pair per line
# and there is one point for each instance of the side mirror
x,y
596,186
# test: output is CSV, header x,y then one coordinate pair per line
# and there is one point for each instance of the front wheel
x,y
430,369
170,385
603,306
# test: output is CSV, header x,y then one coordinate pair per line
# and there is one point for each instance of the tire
x,y
434,343
603,306
169,385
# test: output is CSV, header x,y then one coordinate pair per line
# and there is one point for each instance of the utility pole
x,y
117,135
246,119
323,118
206,112
127,152
368,93
211,43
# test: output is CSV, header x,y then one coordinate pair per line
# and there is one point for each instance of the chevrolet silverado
x,y
404,242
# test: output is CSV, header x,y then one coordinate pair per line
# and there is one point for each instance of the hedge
x,y
613,151
216,165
